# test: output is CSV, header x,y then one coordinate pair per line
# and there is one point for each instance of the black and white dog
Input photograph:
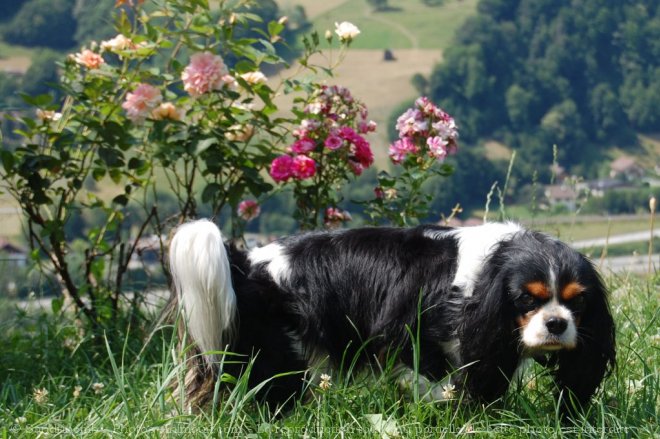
x,y
481,299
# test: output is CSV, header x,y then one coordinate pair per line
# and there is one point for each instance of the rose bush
x,y
329,148
427,136
175,103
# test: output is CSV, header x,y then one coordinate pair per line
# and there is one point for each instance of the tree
x,y
378,5
9,87
47,23
534,72
9,7
42,76
93,21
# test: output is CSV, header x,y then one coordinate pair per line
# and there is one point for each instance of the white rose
x,y
346,31
119,42
253,78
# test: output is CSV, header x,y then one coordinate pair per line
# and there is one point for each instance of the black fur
x,y
353,294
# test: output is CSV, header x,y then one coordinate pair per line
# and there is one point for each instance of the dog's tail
x,y
201,278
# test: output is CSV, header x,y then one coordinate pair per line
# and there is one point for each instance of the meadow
x,y
59,380
62,378
404,24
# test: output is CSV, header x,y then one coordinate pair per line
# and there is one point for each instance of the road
x,y
629,264
618,239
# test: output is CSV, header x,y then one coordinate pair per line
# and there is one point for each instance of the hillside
x,y
512,75
584,76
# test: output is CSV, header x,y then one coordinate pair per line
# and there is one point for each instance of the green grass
x,y
409,24
10,50
39,352
591,227
633,248
573,226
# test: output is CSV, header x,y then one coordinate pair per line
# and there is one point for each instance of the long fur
x,y
201,279
359,294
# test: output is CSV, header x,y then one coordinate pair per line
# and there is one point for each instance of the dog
x,y
475,301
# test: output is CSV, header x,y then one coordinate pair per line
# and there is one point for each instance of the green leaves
x,y
8,161
89,170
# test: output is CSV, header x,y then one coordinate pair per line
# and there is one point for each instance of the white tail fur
x,y
202,281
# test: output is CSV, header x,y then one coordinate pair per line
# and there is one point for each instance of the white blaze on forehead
x,y
277,263
475,244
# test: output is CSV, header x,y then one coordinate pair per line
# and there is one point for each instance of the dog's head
x,y
535,295
550,288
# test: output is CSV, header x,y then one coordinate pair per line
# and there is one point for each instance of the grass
x,y
39,352
405,25
591,227
15,58
312,8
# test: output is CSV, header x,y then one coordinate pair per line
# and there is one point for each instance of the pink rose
x,y
356,167
437,147
334,217
281,169
303,167
362,152
89,59
206,72
446,128
303,146
401,148
426,105
333,142
248,210
367,127
141,102
310,124
347,133
405,122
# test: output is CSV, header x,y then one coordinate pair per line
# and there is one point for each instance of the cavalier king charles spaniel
x,y
478,301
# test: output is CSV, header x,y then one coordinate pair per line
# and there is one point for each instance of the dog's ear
x,y
581,370
487,336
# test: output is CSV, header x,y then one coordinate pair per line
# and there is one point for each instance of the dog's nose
x,y
556,325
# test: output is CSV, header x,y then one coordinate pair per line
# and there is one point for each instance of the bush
x,y
206,126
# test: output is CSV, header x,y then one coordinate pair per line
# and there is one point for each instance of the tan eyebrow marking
x,y
571,290
538,289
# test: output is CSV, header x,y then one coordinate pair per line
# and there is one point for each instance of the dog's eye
x,y
526,301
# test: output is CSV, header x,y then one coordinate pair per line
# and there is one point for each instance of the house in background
x,y
11,254
626,168
561,195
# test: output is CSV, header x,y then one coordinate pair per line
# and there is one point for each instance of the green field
x,y
407,25
59,380
590,227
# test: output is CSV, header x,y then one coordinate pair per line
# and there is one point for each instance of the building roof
x,y
624,163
